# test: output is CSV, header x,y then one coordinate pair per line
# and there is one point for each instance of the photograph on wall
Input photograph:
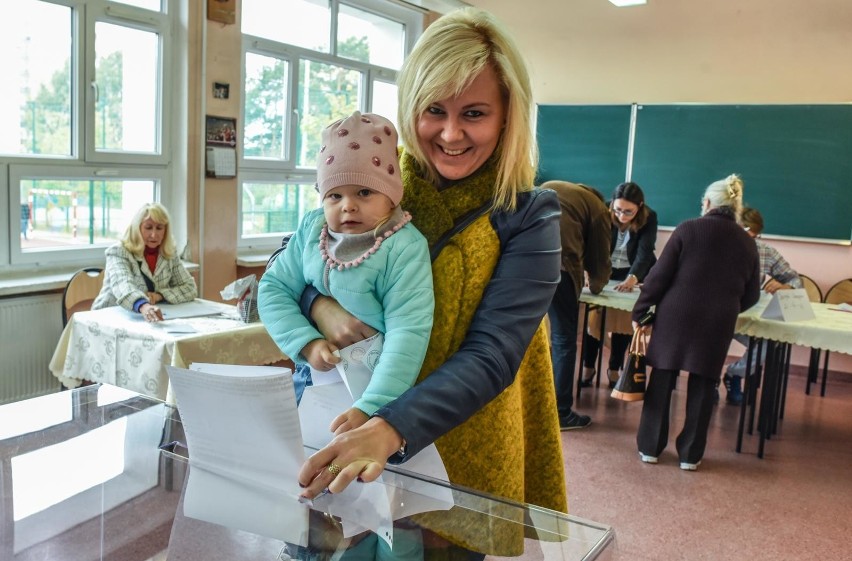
x,y
221,131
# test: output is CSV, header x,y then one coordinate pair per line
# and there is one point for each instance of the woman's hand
x,y
627,284
359,453
151,313
337,325
154,297
348,420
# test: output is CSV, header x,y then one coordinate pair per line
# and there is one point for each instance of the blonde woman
x,y
707,274
144,269
485,394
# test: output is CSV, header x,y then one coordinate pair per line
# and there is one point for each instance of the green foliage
x,y
46,119
332,92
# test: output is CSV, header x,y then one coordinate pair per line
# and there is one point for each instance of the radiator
x,y
29,330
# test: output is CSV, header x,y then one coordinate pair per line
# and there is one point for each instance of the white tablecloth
x,y
117,347
829,330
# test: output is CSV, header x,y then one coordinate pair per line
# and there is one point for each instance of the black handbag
x,y
631,383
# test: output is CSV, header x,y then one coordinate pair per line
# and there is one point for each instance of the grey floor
x,y
795,503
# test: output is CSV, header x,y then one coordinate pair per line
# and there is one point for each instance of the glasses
x,y
623,212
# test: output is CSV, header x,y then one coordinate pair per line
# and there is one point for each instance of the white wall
x,y
670,51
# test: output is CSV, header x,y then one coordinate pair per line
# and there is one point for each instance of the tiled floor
x,y
795,503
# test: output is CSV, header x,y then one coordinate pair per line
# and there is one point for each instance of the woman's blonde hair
x,y
726,192
446,59
132,240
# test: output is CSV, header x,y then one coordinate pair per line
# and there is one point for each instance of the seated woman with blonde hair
x,y
144,269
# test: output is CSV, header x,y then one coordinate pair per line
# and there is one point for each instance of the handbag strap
x,y
639,343
462,223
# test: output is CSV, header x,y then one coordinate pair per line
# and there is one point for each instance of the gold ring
x,y
334,469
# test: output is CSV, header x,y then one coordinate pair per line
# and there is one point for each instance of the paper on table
x,y
196,308
175,328
242,475
789,305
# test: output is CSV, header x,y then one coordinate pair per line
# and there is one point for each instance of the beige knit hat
x,y
360,150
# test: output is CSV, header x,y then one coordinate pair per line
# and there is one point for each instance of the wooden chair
x,y
81,291
814,293
840,293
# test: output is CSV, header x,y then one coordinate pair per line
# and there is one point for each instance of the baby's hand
x,y
320,354
348,420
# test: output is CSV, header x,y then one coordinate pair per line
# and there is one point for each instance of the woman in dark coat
x,y
708,272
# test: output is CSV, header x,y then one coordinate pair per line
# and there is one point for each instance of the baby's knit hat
x,y
360,150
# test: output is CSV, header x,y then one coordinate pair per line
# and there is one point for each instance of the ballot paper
x,y
406,496
242,430
246,440
195,308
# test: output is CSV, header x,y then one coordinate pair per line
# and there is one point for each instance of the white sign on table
x,y
789,305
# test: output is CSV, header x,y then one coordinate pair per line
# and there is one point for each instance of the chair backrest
x,y
840,293
814,293
81,291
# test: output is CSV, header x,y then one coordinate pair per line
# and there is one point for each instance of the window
x,y
306,64
86,95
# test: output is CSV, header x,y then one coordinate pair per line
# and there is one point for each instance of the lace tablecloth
x,y
117,347
830,330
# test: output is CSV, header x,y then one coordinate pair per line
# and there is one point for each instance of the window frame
x,y
93,253
84,162
256,169
152,22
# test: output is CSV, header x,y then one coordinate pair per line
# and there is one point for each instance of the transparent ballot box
x,y
100,473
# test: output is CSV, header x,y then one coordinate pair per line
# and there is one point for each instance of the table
x,y
830,330
608,298
118,493
114,346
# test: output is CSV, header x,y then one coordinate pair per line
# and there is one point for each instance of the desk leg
x,y
582,349
601,347
757,377
768,402
813,370
747,390
788,351
824,374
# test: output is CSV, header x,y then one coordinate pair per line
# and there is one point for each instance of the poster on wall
x,y
223,11
221,147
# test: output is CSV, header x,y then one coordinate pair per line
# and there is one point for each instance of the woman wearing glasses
x,y
634,238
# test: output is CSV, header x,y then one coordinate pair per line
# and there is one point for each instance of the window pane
x,y
370,38
266,104
35,113
326,93
304,23
57,213
126,71
147,4
275,208
385,101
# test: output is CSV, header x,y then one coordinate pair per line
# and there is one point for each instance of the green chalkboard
x,y
795,162
583,144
